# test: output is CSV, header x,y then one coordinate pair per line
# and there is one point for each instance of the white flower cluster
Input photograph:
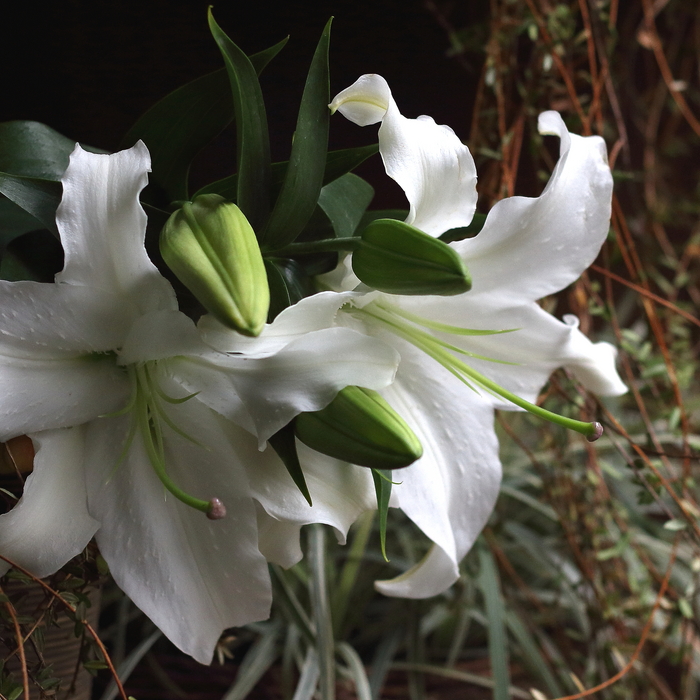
x,y
122,393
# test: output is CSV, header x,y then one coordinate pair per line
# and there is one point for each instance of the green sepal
x,y
304,176
382,487
399,259
213,251
360,427
283,443
177,127
253,140
288,283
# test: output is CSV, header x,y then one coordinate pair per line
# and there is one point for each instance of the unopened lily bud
x,y
360,427
396,258
212,249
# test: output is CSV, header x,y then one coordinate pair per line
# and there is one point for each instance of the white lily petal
x,y
305,375
50,524
340,493
532,247
159,335
432,166
451,490
102,227
365,102
312,313
37,318
539,345
39,394
593,364
432,575
192,576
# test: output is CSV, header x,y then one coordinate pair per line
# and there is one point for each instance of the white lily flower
x,y
138,423
450,378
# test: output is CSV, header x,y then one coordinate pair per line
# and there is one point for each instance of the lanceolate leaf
x,y
14,221
382,486
251,129
338,163
182,123
304,176
288,284
490,585
283,443
344,202
35,150
36,196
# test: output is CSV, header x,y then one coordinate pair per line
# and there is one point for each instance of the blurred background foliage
x,y
587,574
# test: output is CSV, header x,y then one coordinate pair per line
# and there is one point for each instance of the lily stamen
x,y
442,352
148,415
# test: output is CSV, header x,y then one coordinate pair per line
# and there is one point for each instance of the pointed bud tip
x,y
217,510
597,432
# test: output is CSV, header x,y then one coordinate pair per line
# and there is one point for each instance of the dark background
x,y
89,69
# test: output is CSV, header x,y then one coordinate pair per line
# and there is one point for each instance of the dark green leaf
x,y
307,163
251,130
382,486
490,585
283,443
14,221
36,196
35,150
182,123
288,284
338,163
344,202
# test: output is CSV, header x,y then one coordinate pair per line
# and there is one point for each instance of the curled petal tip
x,y
217,510
597,432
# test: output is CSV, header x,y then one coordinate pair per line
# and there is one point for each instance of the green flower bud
x,y
396,258
213,251
359,426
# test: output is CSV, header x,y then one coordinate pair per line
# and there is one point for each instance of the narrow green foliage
x,y
283,443
344,201
490,585
382,487
183,122
37,197
251,129
304,176
288,283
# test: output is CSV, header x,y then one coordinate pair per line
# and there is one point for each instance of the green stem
x,y
327,245
325,643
